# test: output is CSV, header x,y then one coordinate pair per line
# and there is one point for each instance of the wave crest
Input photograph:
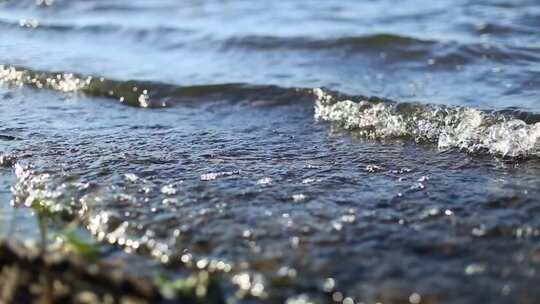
x,y
507,133
462,128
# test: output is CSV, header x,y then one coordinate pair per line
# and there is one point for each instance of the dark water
x,y
196,133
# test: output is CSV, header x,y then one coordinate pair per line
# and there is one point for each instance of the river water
x,y
365,151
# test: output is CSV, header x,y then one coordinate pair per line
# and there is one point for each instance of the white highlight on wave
x,y
63,82
463,128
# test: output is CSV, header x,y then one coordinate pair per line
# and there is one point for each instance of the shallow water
x,y
195,134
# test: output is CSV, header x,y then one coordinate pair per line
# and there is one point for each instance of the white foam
x,y
463,128
63,82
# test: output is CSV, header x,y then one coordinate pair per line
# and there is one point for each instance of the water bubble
x,y
373,168
309,180
479,231
423,179
29,23
415,298
337,296
295,241
300,299
329,284
215,175
473,269
298,197
286,271
264,181
417,186
168,190
348,300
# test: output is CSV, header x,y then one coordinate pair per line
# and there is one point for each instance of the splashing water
x,y
463,128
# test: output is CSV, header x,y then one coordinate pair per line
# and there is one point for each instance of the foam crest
x,y
463,128
62,82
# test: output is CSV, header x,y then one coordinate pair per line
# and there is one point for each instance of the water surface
x,y
196,134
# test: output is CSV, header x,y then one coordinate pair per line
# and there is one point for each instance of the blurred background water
x,y
480,53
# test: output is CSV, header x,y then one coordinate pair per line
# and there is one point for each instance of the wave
x,y
393,47
148,94
403,48
67,27
463,128
509,133
375,41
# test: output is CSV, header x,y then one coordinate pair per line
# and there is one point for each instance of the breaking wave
x,y
507,133
463,128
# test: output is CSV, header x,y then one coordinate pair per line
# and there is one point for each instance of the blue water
x,y
316,150
479,53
